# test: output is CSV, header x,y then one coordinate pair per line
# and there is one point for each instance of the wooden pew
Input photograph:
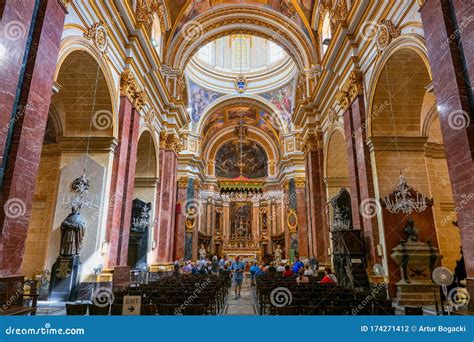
x,y
12,294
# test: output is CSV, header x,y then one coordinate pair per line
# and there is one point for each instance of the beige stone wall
x,y
42,214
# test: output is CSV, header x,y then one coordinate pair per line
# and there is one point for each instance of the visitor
x,y
262,271
329,278
288,272
222,263
187,268
238,275
302,279
253,270
297,265
308,271
271,269
281,268
215,266
194,269
176,271
314,264
202,266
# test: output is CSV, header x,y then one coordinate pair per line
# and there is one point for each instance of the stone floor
x,y
245,305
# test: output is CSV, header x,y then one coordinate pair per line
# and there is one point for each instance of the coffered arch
x,y
242,19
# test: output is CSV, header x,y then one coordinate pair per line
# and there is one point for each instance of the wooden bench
x,y
12,295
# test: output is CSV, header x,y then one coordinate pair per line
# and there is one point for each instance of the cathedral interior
x,y
140,136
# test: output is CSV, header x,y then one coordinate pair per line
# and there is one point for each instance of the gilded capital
x,y
350,90
130,88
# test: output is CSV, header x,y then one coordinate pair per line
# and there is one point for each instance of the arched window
x,y
240,53
326,32
156,34
206,53
276,53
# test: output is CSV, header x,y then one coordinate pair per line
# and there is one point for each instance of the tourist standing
x,y
238,275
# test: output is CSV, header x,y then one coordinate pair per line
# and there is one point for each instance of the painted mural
x,y
215,123
254,160
200,99
244,113
283,99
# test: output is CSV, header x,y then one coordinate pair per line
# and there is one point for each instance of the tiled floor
x,y
243,306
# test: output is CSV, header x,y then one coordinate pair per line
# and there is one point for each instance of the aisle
x,y
245,305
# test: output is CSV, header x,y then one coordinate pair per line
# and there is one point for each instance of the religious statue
x,y
202,253
411,230
72,233
278,253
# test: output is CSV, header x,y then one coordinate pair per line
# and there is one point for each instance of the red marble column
x,y
452,69
156,227
180,223
129,188
302,219
167,201
317,219
360,176
30,91
123,175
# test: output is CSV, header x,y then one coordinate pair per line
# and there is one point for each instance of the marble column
x,y
180,226
255,220
122,185
360,170
167,200
317,209
303,240
449,32
30,54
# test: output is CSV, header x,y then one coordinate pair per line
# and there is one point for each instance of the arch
x,y
74,44
413,47
147,153
244,100
228,133
243,19
335,152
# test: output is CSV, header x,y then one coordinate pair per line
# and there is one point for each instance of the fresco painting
x,y
200,99
254,160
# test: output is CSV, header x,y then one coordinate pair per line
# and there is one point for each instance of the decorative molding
x,y
353,87
97,34
82,144
183,182
300,182
386,33
171,142
130,88
406,144
146,182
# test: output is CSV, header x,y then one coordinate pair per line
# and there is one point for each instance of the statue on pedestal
x,y
278,254
72,233
411,230
202,253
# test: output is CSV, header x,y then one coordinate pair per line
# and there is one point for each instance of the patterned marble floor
x,y
245,305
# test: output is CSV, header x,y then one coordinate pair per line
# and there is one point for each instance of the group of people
x,y
300,270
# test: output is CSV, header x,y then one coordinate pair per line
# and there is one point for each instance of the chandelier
x,y
405,199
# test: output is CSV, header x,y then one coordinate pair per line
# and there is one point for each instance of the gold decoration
x,y
292,221
97,33
339,13
183,182
300,182
386,33
350,90
130,88
190,224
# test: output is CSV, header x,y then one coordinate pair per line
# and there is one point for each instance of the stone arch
x,y
243,19
78,49
336,168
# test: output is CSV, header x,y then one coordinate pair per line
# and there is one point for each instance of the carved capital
x,y
130,88
183,182
350,90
